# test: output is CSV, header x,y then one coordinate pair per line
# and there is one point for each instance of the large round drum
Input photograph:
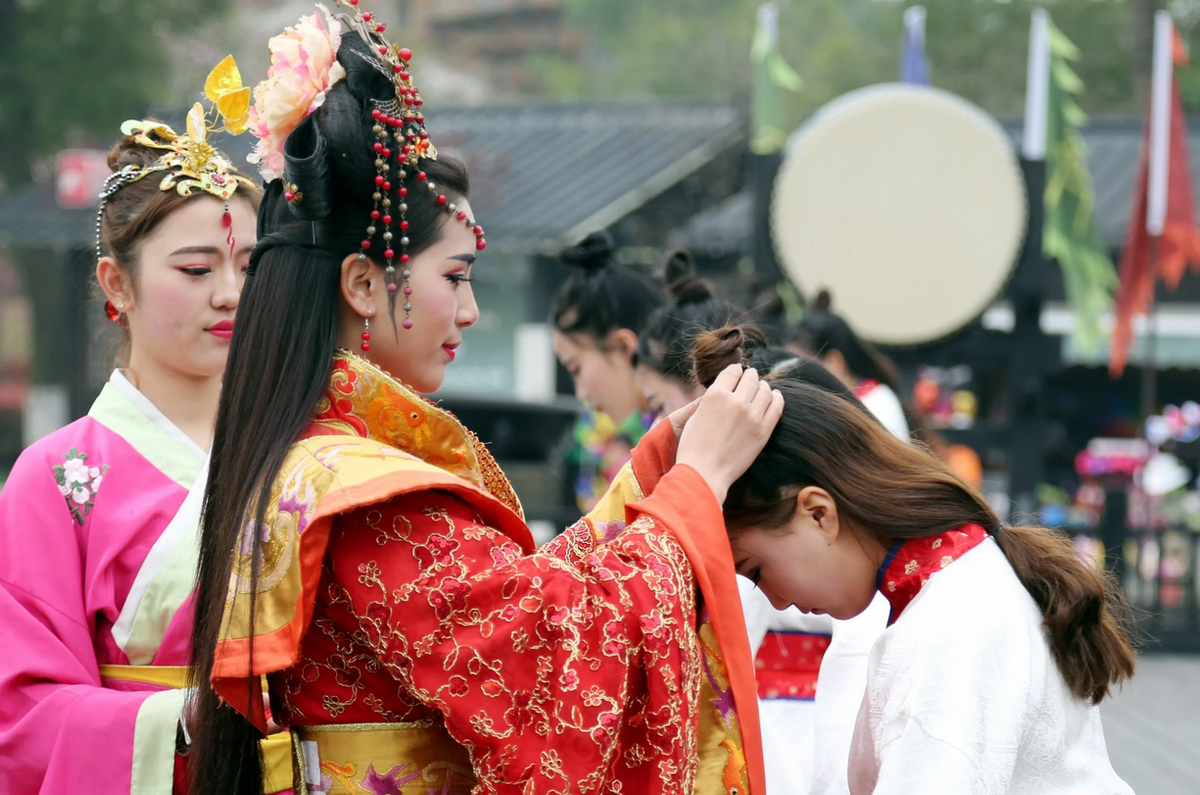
x,y
908,204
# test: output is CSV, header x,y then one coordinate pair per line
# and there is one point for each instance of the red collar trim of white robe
x,y
865,387
911,562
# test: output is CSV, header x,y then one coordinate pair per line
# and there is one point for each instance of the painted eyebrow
x,y
467,258
210,250
196,250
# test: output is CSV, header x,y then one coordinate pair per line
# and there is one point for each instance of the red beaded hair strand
x,y
401,138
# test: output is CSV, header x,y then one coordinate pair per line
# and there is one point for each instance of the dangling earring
x,y
366,335
116,313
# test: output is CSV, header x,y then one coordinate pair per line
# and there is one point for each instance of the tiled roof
x,y
543,175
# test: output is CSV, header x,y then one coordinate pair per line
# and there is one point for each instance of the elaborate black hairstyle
x,y
329,169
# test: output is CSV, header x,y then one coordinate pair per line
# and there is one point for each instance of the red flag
x,y
1144,258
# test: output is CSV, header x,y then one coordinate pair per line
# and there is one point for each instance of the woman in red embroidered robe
x,y
386,583
1001,641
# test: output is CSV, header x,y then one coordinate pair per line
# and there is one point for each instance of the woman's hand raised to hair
x,y
729,427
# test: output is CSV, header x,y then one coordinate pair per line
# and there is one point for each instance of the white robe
x,y
964,697
881,401
840,685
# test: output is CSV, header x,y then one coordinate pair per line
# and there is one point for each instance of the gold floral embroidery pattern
x,y
590,643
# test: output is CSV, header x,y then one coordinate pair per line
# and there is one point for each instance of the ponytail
x,y
1085,614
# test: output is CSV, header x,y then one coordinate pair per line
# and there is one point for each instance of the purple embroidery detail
x,y
290,503
724,699
388,783
609,530
264,535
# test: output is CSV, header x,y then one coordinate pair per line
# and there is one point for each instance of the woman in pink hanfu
x,y
99,520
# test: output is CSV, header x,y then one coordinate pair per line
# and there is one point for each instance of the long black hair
x,y
603,295
280,362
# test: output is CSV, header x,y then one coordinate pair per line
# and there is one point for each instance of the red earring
x,y
366,335
111,311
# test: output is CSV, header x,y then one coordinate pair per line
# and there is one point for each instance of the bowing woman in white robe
x,y
842,678
1001,642
812,669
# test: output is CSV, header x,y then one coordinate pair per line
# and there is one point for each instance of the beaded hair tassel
x,y
400,140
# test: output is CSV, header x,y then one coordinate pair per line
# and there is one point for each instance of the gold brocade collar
x,y
363,400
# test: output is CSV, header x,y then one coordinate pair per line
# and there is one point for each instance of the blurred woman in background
x,y
598,314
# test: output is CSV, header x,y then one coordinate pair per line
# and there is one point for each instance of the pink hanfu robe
x,y
98,548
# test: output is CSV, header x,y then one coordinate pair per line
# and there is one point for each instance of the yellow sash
x,y
277,749
409,758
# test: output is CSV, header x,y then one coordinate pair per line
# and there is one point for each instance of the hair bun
x,y
306,169
715,350
823,302
678,264
128,152
690,290
593,253
684,287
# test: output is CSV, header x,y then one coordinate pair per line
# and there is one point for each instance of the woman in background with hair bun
x,y
664,351
1000,641
859,365
598,314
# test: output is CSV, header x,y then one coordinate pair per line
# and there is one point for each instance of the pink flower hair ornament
x,y
304,67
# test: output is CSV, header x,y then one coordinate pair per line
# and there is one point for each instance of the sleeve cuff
x,y
158,722
683,492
